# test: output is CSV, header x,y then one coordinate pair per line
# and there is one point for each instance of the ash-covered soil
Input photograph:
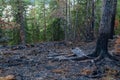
x,y
34,62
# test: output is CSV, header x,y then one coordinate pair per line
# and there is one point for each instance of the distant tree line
x,y
26,21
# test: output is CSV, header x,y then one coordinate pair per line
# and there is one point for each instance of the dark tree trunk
x,y
93,16
101,50
89,27
101,46
66,25
20,19
44,22
112,32
104,31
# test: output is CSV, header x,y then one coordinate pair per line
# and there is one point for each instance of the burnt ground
x,y
37,62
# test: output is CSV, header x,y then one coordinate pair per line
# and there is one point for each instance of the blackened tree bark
x,y
93,16
104,30
113,18
101,50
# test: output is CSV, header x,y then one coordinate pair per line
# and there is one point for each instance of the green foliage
x,y
45,12
58,33
117,31
56,30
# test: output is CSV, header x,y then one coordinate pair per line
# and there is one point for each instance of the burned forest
x,y
59,40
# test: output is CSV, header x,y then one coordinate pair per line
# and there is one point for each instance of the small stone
x,y
78,52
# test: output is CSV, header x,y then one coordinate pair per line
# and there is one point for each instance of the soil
x,y
36,62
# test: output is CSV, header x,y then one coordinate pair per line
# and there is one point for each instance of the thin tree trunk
x,y
20,20
65,28
89,20
69,21
74,27
44,21
112,32
93,16
76,23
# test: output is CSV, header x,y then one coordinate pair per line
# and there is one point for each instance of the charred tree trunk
x,y
112,32
93,16
104,31
101,50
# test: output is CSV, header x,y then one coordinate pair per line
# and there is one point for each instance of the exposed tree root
x,y
100,62
94,56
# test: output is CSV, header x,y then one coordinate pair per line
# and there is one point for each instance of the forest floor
x,y
38,62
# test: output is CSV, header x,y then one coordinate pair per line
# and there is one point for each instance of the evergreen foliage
x,y
55,19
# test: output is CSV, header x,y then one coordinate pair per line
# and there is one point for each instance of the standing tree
x,y
89,21
113,18
20,19
104,32
44,21
92,22
101,50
